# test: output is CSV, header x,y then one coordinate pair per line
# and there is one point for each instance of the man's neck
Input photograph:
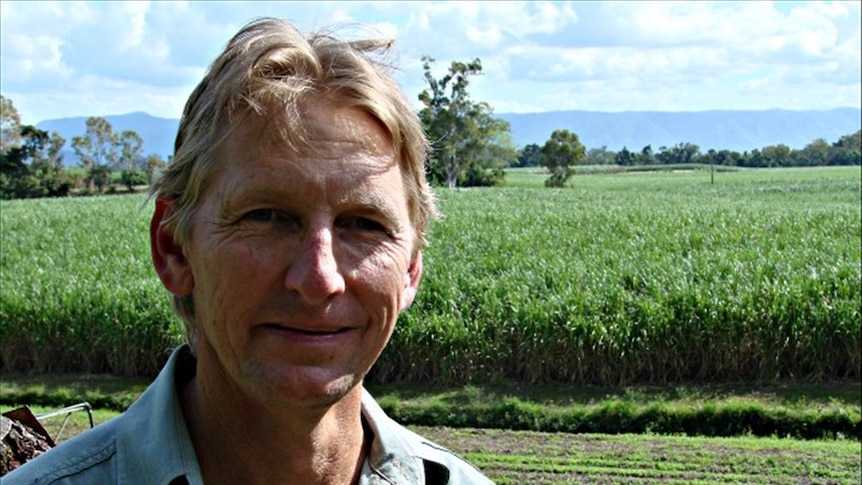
x,y
243,442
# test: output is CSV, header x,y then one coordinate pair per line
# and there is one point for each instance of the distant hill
x,y
158,133
735,130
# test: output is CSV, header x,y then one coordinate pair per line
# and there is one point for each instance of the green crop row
x,y
621,278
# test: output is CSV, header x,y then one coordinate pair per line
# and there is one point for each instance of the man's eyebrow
x,y
359,198
233,195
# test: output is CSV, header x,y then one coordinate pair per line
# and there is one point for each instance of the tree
x,y
488,148
129,146
97,151
47,167
34,167
847,150
559,154
625,157
646,156
530,156
10,125
724,157
129,149
678,154
467,140
599,156
815,153
153,165
777,155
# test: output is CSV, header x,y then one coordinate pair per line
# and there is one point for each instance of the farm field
x,y
519,457
618,279
630,282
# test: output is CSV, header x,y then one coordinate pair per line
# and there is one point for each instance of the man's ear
x,y
411,281
169,259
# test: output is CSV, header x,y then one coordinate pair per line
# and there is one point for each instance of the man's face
x,y
301,262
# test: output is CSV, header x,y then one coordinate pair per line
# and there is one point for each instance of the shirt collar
x,y
155,441
391,456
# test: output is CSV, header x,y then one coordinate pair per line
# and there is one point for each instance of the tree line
x,y
844,151
31,160
470,147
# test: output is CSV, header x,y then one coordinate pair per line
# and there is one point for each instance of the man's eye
x,y
261,215
364,224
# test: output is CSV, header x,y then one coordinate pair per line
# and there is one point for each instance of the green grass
x,y
787,409
509,456
618,279
525,457
656,277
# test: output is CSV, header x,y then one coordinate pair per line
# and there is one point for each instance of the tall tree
x,y
488,147
776,155
530,156
559,154
33,168
97,151
10,125
847,150
467,140
154,164
600,156
129,150
679,153
625,157
815,153
646,156
130,159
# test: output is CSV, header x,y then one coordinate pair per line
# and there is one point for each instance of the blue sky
x,y
60,59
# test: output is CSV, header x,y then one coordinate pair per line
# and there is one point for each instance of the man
x,y
289,229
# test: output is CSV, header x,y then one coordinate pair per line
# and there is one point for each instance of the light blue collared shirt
x,y
150,444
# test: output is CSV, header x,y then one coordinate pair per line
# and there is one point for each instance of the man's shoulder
x,y
394,443
86,458
442,465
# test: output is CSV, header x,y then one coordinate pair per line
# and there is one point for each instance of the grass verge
x,y
778,409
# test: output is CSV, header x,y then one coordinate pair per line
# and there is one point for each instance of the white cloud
x,y
74,58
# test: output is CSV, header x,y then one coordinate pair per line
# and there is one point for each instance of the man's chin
x,y
306,387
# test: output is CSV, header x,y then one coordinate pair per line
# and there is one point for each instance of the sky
x,y
63,59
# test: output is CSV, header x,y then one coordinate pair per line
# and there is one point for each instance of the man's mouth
x,y
307,331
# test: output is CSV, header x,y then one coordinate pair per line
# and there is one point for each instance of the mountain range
x,y
734,130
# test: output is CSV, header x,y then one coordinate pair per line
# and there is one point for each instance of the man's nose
x,y
314,272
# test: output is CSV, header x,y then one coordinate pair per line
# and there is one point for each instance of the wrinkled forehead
x,y
342,135
317,129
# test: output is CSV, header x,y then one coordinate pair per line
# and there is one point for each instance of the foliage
x,y
153,165
10,125
644,278
786,409
97,151
34,167
618,417
680,153
129,147
559,155
470,146
530,156
624,157
133,177
599,156
79,295
846,151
